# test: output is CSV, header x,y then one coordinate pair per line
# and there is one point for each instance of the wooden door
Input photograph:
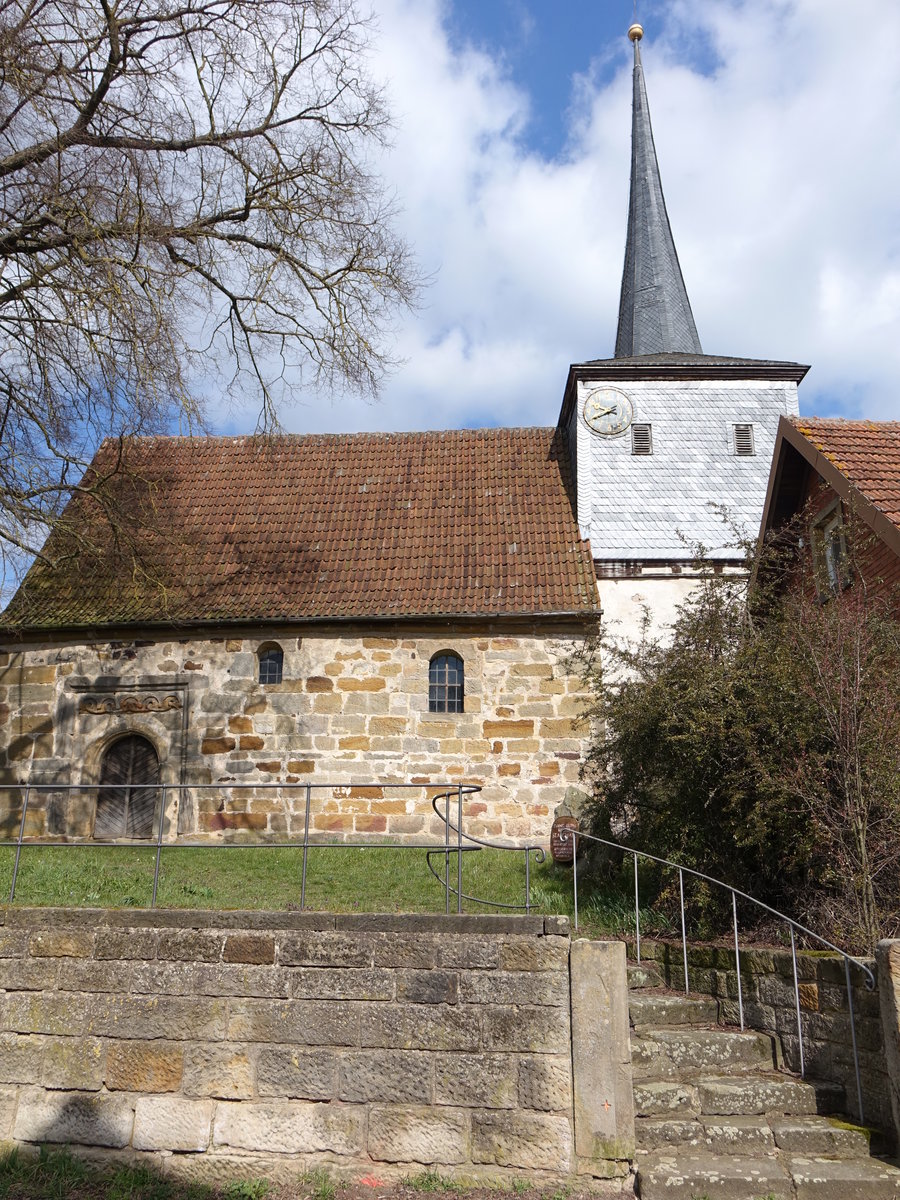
x,y
127,810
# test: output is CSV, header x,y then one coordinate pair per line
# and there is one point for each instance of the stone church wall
x,y
351,712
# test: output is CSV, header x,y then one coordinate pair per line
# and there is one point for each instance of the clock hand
x,y
602,412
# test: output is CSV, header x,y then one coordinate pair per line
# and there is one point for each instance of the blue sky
x,y
778,133
542,45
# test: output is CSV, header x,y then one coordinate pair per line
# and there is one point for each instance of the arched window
x,y
271,664
445,683
127,809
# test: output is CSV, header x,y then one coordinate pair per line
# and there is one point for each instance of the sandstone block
x,y
171,1123
508,729
302,766
418,1135
188,945
288,1127
310,1022
219,1069
73,1117
73,1063
173,1017
329,983
371,683
250,741
539,1030
295,1073
545,1083
20,1058
400,951
417,1027
469,953
545,988
7,1110
130,944
476,1080
323,949
319,683
86,975
13,942
249,948
240,725
525,1140
144,1066
398,1076
219,745
28,974
428,987
36,1012
56,943
535,954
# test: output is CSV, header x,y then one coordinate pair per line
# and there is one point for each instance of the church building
x,y
275,631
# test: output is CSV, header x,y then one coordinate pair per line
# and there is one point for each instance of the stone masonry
x,y
769,1006
352,710
235,1043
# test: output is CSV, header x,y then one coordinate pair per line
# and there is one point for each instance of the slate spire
x,y
654,311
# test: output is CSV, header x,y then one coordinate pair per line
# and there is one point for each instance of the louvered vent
x,y
642,439
743,439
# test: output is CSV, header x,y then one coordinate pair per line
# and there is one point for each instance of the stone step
x,y
680,1176
644,975
654,1098
819,1137
807,1136
673,1053
720,1135
843,1179
732,1096
651,1010
686,1176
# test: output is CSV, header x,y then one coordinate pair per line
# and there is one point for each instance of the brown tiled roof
x,y
318,527
867,453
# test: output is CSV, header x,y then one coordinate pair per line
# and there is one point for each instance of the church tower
x,y
665,439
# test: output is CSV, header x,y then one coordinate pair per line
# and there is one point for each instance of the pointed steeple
x,y
654,311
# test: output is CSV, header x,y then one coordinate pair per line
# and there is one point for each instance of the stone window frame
x,y
265,654
435,698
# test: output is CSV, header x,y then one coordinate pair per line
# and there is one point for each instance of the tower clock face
x,y
607,411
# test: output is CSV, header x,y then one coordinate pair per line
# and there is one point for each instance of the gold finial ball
x,y
636,32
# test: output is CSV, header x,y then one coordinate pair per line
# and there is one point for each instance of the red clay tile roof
x,y
323,526
867,453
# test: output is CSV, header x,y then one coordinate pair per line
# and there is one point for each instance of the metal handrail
x,y
477,844
464,842
794,927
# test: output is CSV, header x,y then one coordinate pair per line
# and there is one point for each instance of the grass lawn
x,y
374,879
56,1174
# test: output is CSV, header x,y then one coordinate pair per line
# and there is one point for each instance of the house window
x,y
271,664
642,439
127,798
830,551
743,439
445,683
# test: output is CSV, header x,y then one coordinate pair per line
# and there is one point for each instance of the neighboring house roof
x,y
321,527
860,460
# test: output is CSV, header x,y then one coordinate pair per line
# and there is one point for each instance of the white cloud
x,y
782,175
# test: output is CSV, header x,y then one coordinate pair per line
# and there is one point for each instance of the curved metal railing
x,y
468,843
794,926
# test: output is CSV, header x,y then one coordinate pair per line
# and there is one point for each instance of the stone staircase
x,y
717,1117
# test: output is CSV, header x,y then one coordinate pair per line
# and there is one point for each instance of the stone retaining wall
x,y
240,1043
767,980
